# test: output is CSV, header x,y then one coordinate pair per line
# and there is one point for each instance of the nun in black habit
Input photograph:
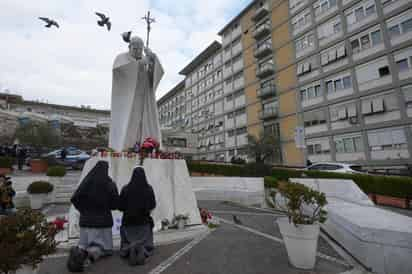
x,y
95,199
137,200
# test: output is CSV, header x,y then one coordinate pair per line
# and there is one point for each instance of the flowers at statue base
x,y
205,215
59,223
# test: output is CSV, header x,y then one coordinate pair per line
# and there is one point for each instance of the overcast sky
x,y
72,65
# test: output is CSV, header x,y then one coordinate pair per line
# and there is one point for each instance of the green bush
x,y
299,196
248,170
394,186
40,187
6,162
56,171
270,182
25,239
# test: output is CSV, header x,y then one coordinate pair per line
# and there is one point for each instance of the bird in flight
x,y
126,36
49,22
104,20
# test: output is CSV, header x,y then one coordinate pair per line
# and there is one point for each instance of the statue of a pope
x,y
134,114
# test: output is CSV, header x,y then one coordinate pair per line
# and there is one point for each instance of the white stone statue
x,y
134,114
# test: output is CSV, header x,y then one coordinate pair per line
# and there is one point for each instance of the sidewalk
x,y
253,247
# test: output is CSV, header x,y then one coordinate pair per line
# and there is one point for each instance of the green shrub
x,y
394,186
299,196
6,162
270,182
40,187
25,239
56,171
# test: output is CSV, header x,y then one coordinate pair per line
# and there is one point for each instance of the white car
x,y
336,167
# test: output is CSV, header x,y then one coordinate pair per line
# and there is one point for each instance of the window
x,y
338,84
360,13
323,6
349,144
402,65
332,54
384,71
373,106
310,92
394,31
366,41
305,42
314,118
407,25
347,82
400,24
301,20
387,139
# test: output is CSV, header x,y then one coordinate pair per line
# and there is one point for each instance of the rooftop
x,y
237,17
204,55
172,92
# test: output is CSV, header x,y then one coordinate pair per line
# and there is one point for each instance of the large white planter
x,y
56,182
301,242
37,200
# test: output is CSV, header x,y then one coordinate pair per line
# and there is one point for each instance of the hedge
x,y
56,171
6,162
394,186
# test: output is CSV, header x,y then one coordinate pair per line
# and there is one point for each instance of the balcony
x,y
268,113
263,50
260,12
265,70
261,30
267,91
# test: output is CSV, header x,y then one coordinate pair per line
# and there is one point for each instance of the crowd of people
x,y
18,152
95,198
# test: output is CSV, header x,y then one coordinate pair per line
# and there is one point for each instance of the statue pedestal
x,y
170,181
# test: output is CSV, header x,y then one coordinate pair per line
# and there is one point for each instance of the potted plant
x,y
6,165
38,165
38,192
55,174
181,220
300,229
165,224
25,238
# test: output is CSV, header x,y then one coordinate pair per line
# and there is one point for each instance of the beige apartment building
x,y
342,69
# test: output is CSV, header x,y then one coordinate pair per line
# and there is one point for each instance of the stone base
x,y
170,181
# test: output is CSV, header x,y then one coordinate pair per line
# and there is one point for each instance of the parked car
x,y
75,157
336,167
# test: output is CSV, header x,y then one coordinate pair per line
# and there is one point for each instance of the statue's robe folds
x,y
134,114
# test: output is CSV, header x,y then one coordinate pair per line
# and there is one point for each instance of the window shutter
x,y
373,139
377,105
352,111
300,69
342,115
341,52
324,58
332,55
385,138
366,107
398,136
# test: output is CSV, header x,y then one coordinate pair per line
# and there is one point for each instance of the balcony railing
x,y
261,30
267,91
265,70
268,113
263,50
260,12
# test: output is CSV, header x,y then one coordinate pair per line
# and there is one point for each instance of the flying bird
x,y
49,22
236,220
104,20
126,36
